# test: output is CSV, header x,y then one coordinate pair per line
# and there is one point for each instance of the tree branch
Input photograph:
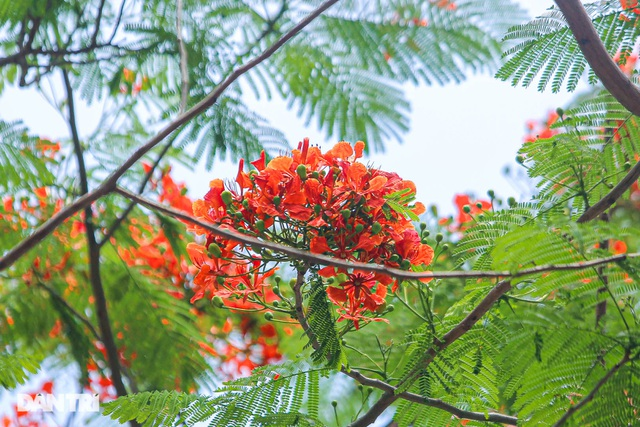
x,y
588,398
102,313
595,53
109,184
616,192
390,392
389,271
612,77
184,72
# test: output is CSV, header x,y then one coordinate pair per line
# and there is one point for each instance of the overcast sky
x,y
461,135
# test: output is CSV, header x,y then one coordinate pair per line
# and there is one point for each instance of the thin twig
x,y
588,398
616,192
389,271
109,184
184,72
102,313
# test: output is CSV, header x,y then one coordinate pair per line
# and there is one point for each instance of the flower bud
x,y
276,290
491,194
276,200
439,237
217,302
560,111
511,201
390,308
214,250
302,172
227,197
466,209
260,225
445,247
220,280
405,264
317,209
376,228
520,159
268,316
334,403
423,226
359,228
478,205
276,303
346,213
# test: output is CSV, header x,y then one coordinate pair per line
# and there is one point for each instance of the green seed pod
x,y
227,197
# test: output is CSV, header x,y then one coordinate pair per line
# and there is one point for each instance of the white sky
x,y
461,136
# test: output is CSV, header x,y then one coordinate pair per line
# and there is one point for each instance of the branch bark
x,y
102,313
389,271
588,398
612,77
109,184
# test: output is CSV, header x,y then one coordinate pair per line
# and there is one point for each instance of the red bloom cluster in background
x,y
541,130
328,203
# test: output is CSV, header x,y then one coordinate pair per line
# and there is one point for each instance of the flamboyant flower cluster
x,y
327,203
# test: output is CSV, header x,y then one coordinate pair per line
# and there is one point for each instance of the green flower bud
x,y
390,308
242,287
425,233
334,403
479,205
276,200
491,194
277,279
346,213
260,225
520,159
405,264
511,201
268,316
227,197
217,302
423,226
317,209
439,237
315,175
394,258
627,166
276,290
302,172
183,191
214,250
445,247
376,228
220,280
359,228
466,209
276,303
560,112
245,203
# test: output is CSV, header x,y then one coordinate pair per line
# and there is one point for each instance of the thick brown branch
x,y
110,182
588,398
595,53
392,272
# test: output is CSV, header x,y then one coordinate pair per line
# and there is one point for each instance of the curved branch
x,y
588,398
595,53
375,268
109,184
607,201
